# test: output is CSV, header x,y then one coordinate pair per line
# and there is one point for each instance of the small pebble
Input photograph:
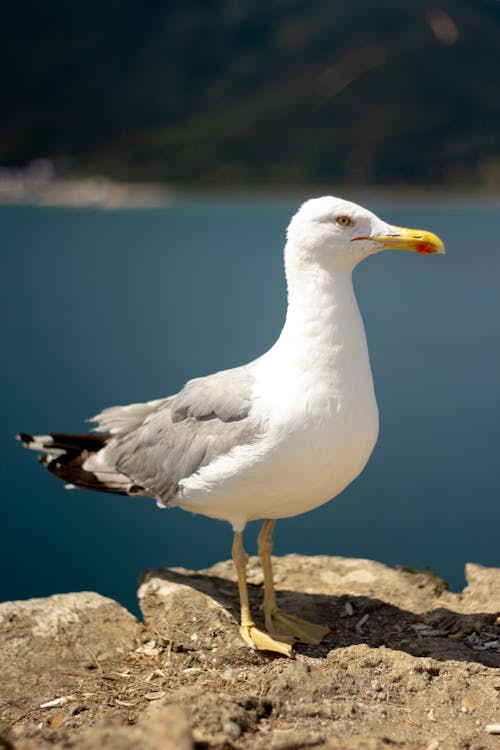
x,y
359,625
232,728
56,721
56,702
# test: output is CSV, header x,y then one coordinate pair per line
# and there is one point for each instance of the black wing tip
x,y
64,456
24,437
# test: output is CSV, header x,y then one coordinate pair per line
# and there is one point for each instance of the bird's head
x,y
335,232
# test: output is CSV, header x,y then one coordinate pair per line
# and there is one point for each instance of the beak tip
x,y
439,248
420,241
432,251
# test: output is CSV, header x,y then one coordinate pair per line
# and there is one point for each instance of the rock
x,y
482,592
406,664
183,607
360,600
216,718
195,614
47,643
358,742
164,729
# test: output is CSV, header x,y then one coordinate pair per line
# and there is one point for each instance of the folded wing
x,y
157,444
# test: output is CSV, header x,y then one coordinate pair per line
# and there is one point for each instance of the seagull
x,y
274,438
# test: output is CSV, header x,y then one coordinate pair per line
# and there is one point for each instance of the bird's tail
x,y
69,457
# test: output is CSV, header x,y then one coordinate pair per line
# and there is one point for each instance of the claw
x,y
278,623
261,641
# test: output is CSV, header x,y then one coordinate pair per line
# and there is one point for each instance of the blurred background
x,y
151,157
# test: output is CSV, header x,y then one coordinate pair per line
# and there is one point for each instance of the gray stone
x,y
48,644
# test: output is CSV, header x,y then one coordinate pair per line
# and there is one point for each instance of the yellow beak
x,y
417,240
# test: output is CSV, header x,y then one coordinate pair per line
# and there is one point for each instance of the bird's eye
x,y
343,221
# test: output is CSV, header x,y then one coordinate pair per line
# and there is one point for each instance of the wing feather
x,y
170,439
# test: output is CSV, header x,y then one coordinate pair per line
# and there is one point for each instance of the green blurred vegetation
x,y
242,92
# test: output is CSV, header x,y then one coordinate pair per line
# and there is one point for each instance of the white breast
x,y
314,395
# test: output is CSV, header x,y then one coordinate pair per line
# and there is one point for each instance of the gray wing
x,y
179,435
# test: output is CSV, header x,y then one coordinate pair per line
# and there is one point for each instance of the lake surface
x,y
109,307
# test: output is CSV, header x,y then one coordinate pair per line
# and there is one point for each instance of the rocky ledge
x,y
407,664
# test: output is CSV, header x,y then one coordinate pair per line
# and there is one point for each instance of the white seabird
x,y
274,438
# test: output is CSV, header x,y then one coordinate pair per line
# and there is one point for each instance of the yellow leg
x,y
255,638
277,622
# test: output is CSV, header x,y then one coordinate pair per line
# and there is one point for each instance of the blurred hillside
x,y
241,92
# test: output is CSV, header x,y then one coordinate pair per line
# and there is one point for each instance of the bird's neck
x,y
320,363
323,318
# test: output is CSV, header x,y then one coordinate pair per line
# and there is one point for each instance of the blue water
x,y
105,307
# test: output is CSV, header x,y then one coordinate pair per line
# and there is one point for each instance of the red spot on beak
x,y
425,248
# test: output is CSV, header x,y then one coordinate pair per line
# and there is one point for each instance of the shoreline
x,y
103,193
